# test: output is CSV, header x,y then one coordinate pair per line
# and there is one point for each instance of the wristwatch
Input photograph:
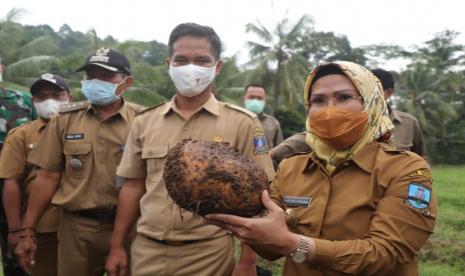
x,y
300,255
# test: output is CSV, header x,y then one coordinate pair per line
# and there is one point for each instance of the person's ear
x,y
388,93
167,62
125,85
219,66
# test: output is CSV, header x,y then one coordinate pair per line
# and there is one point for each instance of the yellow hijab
x,y
374,104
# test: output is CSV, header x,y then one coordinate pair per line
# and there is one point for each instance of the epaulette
x,y
152,107
135,107
18,127
73,106
298,153
243,110
390,148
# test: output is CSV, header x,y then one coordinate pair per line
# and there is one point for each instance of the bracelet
x,y
21,230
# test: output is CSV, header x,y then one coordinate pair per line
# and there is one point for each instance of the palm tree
x,y
278,60
13,15
420,95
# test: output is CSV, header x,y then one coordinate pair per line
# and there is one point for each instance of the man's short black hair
x,y
254,85
385,77
196,30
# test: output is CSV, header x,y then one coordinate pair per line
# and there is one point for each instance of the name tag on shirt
x,y
74,136
297,201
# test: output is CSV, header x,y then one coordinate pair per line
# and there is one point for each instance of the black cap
x,y
49,78
109,59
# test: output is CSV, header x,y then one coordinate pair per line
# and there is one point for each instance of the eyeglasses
x,y
340,99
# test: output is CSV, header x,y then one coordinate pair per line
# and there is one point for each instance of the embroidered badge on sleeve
x,y
259,144
419,197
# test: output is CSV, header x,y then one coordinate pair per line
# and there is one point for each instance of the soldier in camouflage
x,y
15,109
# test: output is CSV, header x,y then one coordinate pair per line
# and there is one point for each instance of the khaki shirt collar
x,y
41,123
211,105
365,159
310,163
122,111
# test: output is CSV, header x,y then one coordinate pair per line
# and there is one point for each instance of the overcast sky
x,y
402,22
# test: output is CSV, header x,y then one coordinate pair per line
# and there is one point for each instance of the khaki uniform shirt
x,y
292,145
273,132
407,132
157,130
13,165
86,150
370,218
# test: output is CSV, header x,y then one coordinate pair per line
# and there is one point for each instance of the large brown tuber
x,y
210,177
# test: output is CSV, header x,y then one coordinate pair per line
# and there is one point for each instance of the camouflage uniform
x,y
15,109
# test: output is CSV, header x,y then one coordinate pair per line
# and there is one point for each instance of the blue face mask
x,y
256,106
100,92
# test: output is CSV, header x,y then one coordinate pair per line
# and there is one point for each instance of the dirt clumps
x,y
209,177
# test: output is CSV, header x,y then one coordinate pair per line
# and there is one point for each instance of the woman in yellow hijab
x,y
354,205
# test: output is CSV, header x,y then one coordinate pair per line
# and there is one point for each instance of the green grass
x,y
444,254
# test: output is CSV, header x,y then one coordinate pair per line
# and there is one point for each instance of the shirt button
x,y
185,128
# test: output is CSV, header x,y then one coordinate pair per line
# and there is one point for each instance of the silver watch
x,y
300,255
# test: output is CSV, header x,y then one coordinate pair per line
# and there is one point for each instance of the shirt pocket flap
x,y
77,148
157,151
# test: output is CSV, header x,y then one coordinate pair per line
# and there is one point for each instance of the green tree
x,y
327,46
278,59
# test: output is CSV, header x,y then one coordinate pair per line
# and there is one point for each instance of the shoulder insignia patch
x,y
259,144
419,197
73,106
422,172
243,110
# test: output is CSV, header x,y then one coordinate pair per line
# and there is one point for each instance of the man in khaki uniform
x,y
82,147
48,92
168,243
407,132
255,101
292,145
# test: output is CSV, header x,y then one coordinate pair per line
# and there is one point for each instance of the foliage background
x,y
431,86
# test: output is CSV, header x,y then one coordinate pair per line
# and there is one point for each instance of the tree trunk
x,y
277,89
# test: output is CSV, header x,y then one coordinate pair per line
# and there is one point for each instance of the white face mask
x,y
191,80
48,108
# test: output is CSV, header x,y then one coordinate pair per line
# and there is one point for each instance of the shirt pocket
x,y
155,158
78,158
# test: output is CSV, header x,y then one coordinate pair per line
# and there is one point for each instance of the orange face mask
x,y
339,128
